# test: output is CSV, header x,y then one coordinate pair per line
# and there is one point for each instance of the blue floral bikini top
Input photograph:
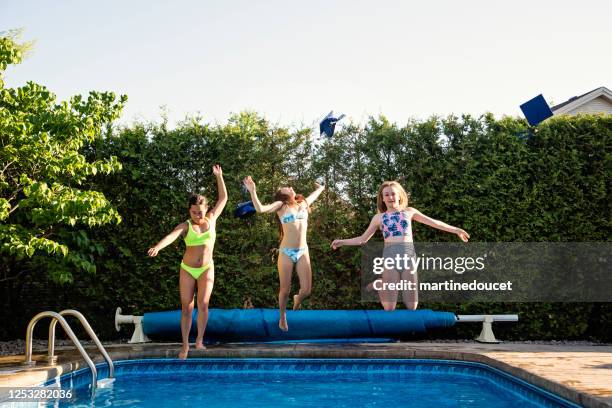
x,y
396,224
292,217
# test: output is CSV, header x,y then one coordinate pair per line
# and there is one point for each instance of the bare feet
x,y
282,323
297,303
200,345
183,353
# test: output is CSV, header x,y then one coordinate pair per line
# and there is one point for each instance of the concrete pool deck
x,y
579,373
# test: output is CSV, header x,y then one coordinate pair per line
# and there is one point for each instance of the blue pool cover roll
x,y
262,324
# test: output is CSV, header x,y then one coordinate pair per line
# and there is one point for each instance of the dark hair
x,y
197,199
286,199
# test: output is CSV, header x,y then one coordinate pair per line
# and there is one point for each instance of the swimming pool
x,y
306,382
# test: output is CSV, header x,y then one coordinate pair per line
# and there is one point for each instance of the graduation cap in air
x,y
536,110
328,124
245,209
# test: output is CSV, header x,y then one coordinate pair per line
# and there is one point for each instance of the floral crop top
x,y
396,224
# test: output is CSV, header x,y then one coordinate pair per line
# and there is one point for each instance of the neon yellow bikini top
x,y
192,238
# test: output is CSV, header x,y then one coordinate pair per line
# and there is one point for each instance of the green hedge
x,y
497,179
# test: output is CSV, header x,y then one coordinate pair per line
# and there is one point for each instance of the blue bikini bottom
x,y
294,253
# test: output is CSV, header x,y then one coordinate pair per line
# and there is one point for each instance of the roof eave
x,y
601,91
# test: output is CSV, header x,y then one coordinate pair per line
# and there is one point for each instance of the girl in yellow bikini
x,y
197,265
292,212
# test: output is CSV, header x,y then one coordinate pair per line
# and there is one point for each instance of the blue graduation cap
x,y
244,210
536,110
328,124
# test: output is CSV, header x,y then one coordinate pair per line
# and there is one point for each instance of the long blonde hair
x,y
404,197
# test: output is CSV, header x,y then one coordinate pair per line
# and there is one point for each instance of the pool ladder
x,y
52,359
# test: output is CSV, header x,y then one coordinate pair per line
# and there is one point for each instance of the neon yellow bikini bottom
x,y
196,272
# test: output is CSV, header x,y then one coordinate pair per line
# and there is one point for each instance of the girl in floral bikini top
x,y
396,224
394,219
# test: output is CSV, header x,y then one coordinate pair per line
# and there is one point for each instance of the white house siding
x,y
597,105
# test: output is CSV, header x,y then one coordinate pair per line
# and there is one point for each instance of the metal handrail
x,y
90,332
71,335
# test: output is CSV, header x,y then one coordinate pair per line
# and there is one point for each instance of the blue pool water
x,y
318,383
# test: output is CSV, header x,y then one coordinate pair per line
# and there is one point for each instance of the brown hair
x,y
197,199
286,199
404,197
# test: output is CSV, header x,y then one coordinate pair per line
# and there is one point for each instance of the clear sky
x,y
295,61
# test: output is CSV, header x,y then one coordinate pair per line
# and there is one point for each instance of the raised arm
x,y
168,239
315,194
259,207
222,199
423,219
363,238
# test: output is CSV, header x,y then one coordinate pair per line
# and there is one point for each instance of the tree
x,y
43,205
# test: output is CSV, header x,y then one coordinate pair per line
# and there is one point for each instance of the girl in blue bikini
x,y
394,219
197,266
292,212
